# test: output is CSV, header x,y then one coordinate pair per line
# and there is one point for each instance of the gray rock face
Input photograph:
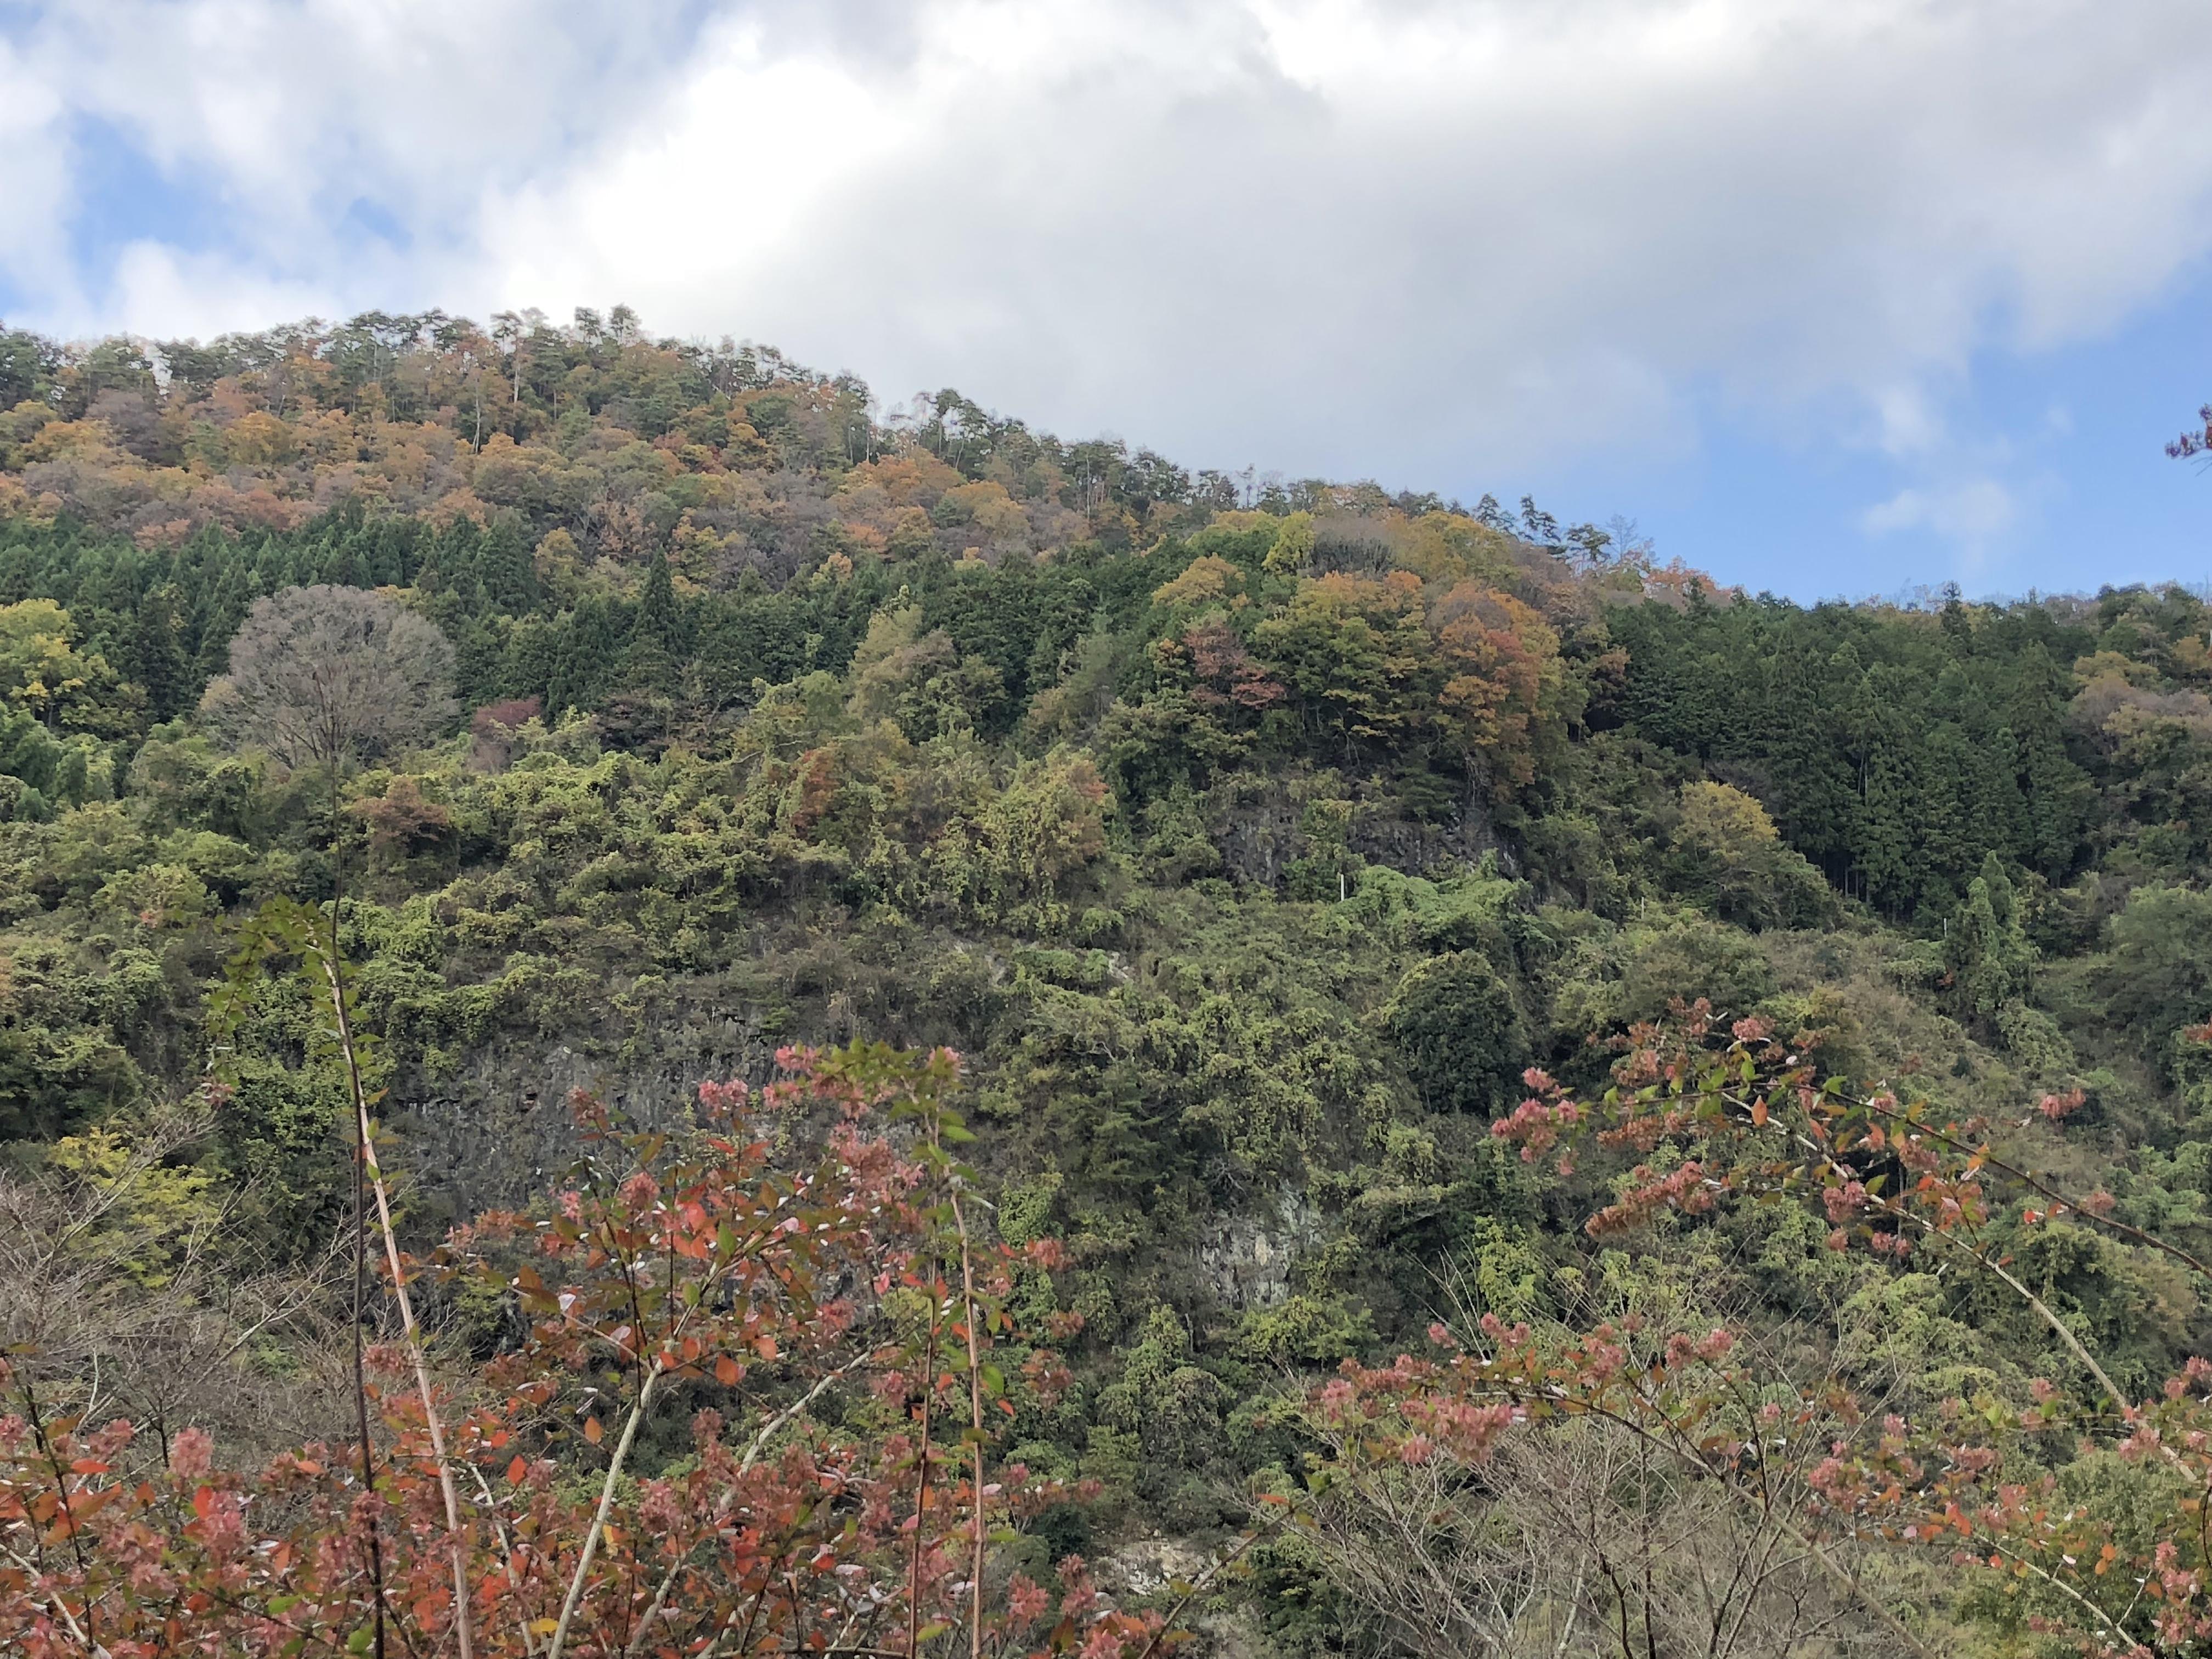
x,y
504,1131
1246,1259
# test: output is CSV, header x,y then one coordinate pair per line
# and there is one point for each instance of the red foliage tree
x,y
1714,1114
693,1263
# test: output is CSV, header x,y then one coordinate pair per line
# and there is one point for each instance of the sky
x,y
1831,299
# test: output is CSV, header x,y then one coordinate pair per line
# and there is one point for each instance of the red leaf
x,y
516,1470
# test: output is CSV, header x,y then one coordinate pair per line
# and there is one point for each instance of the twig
x,y
599,1517
2050,1317
921,1480
507,1548
753,1456
2065,1588
55,1601
360,1233
2150,1240
760,1441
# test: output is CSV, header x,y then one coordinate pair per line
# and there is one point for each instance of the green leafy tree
x,y
44,672
1729,855
1985,948
1455,1020
2156,977
1353,653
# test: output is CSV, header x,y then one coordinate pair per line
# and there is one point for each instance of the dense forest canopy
x,y
1257,843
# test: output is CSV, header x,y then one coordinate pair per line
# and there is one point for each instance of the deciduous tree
x,y
323,675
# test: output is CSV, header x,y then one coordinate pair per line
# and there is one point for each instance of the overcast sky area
x,y
1830,298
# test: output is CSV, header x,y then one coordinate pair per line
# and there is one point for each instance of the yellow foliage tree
x,y
40,670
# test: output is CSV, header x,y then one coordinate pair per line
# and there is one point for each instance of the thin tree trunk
x,y
360,1256
921,1483
367,1166
975,1422
599,1517
367,1170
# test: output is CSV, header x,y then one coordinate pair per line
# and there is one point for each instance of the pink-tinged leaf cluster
x,y
698,1257
1741,1113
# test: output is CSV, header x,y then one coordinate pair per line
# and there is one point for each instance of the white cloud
x,y
34,176
273,119
1386,237
198,296
1430,240
1970,512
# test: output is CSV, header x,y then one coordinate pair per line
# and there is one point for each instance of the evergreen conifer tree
x,y
272,568
531,659
221,609
155,654
458,548
2055,793
1809,772
653,660
1952,841
505,567
1986,950
581,659
340,567
1886,841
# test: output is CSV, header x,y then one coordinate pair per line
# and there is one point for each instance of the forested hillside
x,y
1257,845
